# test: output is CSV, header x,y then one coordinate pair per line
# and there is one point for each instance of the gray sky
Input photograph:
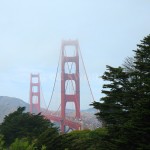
x,y
31,32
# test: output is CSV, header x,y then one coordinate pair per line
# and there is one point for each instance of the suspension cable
x,y
66,84
43,96
86,74
54,82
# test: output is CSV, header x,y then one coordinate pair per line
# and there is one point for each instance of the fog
x,y
31,33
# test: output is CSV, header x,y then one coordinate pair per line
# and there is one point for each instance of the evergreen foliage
x,y
21,144
48,139
84,140
2,147
19,125
125,109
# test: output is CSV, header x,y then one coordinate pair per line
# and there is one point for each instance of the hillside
x,y
10,104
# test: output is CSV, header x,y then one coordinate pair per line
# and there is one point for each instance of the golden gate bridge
x,y
69,75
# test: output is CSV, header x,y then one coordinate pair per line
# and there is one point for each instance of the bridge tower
x,y
71,77
34,93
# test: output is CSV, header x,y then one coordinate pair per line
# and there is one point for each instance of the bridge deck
x,y
71,124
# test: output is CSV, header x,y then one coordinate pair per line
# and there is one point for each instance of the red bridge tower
x,y
71,77
34,93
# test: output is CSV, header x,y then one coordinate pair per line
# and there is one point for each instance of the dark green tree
x,y
20,124
48,139
83,140
2,147
125,109
21,144
116,102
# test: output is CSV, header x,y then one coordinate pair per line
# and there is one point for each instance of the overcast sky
x,y
31,32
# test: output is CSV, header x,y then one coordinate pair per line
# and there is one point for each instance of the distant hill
x,y
90,110
9,105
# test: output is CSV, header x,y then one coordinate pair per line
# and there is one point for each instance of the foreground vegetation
x,y
124,111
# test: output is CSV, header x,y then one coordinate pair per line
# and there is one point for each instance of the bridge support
x,y
73,78
34,93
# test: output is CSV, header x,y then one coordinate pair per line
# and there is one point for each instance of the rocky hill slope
x,y
9,105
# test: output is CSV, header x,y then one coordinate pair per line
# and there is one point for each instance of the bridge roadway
x,y
66,122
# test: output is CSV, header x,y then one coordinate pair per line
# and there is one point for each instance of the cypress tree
x,y
125,109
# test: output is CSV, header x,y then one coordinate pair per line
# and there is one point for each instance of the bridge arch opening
x,y
70,110
70,87
70,67
34,88
70,51
34,99
35,80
